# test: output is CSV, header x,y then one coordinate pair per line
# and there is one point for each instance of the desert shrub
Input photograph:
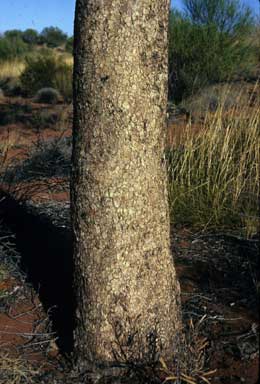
x,y
69,45
214,173
211,98
63,81
11,86
53,37
15,113
46,72
30,36
38,73
44,119
48,96
12,48
226,15
207,51
13,34
50,158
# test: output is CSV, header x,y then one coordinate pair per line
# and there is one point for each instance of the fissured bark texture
x,y
127,296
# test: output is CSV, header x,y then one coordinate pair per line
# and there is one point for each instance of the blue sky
x,y
22,14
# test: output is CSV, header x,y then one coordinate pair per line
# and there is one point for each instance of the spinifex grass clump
x,y
214,172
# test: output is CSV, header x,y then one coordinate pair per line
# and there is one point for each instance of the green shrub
x,y
53,36
30,36
69,45
13,34
43,119
48,96
12,48
63,81
46,72
11,86
203,52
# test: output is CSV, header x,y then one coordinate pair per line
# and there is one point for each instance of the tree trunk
x,y
127,295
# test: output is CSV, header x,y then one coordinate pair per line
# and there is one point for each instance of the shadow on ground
x,y
46,259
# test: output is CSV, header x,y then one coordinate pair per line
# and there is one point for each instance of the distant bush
x,y
208,47
12,48
11,86
48,96
63,81
46,72
38,73
30,36
211,98
13,34
69,45
53,37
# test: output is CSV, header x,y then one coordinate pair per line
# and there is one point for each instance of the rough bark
x,y
127,295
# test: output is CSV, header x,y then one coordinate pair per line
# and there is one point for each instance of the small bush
x,y
63,81
53,37
30,36
44,119
46,72
69,45
12,48
211,98
11,87
206,53
48,96
50,158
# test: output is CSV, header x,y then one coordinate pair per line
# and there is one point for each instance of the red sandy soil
x,y
24,314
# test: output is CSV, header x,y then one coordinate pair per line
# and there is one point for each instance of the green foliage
x,y
13,34
30,36
47,95
44,72
53,37
12,47
69,45
227,15
39,73
63,81
209,47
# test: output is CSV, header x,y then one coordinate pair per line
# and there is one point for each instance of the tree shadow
x,y
46,259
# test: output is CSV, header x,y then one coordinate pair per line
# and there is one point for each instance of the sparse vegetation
x,y
14,370
213,165
45,71
47,159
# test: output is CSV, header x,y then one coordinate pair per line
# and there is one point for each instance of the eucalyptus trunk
x,y
126,292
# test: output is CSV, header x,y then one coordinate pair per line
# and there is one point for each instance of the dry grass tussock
x,y
189,367
11,69
185,365
214,173
16,370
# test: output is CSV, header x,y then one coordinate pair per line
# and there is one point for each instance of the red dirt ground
x,y
24,313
